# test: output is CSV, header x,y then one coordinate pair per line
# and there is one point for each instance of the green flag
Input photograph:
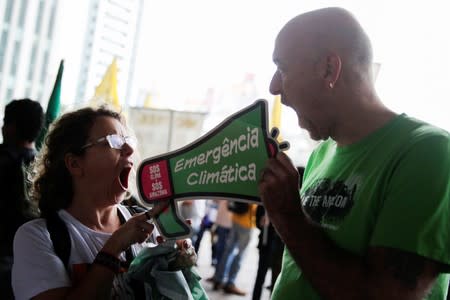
x,y
53,106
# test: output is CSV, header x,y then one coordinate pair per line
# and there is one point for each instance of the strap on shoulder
x,y
135,209
59,234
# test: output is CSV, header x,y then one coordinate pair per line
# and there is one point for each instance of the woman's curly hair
x,y
51,181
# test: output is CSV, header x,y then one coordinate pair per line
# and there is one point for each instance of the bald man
x,y
372,219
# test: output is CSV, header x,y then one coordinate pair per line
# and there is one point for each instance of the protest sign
x,y
226,163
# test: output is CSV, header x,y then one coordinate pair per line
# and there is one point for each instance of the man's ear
x,y
332,69
73,164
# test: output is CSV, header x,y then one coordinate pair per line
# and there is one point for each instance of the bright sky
x,y
187,46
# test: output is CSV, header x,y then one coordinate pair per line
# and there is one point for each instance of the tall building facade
x,y
26,37
111,32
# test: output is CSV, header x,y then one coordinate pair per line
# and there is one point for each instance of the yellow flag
x,y
106,91
148,102
275,120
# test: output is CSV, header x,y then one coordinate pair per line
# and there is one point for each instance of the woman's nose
x,y
127,150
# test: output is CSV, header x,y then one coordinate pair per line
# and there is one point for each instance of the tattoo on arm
x,y
405,267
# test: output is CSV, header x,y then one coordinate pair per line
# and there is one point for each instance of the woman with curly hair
x,y
81,176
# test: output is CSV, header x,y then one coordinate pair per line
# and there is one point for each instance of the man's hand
x,y
279,189
335,273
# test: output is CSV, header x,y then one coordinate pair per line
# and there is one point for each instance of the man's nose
x,y
275,84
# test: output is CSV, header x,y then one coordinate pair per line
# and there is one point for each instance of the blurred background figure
x,y
243,221
207,223
193,210
270,248
221,230
22,123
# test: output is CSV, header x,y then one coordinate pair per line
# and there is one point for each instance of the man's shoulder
x,y
416,129
7,159
12,155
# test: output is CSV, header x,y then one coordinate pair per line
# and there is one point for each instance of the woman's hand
x,y
135,230
186,255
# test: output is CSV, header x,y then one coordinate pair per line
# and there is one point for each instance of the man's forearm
x,y
336,273
333,272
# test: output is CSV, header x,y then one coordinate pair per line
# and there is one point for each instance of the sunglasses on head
x,y
115,141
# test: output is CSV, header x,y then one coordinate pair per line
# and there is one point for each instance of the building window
x,y
39,97
3,42
32,61
51,23
9,11
116,18
111,41
37,29
15,60
44,67
9,94
23,11
120,6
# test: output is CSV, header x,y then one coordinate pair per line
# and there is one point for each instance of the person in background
x,y
221,230
270,248
371,220
193,210
238,239
81,177
22,122
207,223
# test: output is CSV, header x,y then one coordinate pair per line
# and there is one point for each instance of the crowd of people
x,y
367,219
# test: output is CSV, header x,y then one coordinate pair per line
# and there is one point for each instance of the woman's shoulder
x,y
33,226
32,232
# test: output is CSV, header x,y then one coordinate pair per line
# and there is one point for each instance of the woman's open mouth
x,y
123,177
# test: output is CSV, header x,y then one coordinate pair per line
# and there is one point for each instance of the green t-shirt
x,y
391,189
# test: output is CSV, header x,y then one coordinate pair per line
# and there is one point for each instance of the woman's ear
x,y
73,164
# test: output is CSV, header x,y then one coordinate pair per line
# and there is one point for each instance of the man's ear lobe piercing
x,y
331,85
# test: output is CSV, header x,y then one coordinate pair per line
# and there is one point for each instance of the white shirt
x,y
37,268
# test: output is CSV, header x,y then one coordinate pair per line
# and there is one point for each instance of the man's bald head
x,y
330,30
324,70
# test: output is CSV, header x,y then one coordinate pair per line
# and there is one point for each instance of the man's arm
x,y
384,273
336,273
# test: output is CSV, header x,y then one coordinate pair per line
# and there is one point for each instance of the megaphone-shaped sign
x,y
226,163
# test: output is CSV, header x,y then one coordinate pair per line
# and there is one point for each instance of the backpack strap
x,y
136,209
59,234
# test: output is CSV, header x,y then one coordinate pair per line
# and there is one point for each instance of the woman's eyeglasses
x,y
115,141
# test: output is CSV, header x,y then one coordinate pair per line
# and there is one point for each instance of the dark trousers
x,y
270,256
221,234
5,278
263,265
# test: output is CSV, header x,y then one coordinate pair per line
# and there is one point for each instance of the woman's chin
x,y
119,198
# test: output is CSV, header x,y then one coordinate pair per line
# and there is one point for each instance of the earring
x,y
331,85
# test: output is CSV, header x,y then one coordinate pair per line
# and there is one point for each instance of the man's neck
x,y
361,119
